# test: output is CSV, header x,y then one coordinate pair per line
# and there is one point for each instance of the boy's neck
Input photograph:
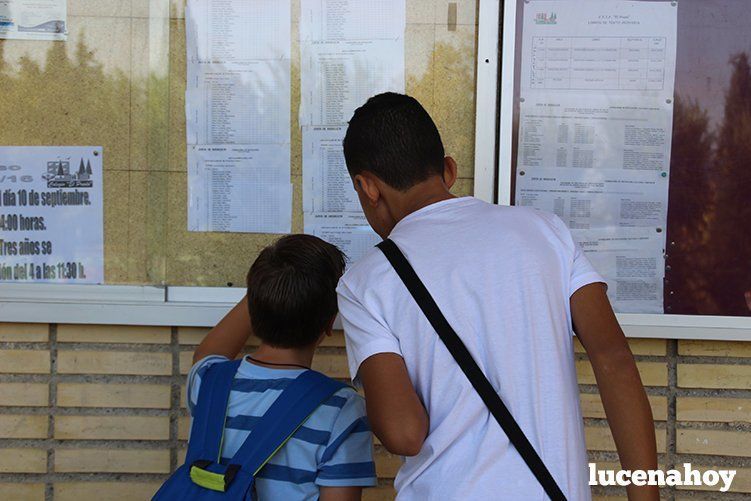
x,y
286,357
401,204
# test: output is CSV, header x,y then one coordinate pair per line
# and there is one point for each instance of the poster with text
x,y
51,218
34,19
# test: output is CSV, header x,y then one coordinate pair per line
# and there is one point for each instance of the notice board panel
x,y
119,82
631,120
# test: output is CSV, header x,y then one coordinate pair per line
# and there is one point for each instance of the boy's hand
x,y
229,336
621,389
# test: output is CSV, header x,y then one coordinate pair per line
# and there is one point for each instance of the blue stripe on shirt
x,y
360,425
283,473
287,474
335,401
310,435
260,385
347,470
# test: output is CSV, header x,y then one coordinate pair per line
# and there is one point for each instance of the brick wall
x,y
98,412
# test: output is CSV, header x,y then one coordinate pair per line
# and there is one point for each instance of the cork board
x,y
119,82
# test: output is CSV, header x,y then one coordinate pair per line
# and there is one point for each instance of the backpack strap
x,y
470,368
285,416
210,412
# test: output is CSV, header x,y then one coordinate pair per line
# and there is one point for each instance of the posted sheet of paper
x,y
633,264
595,128
600,45
239,189
238,30
239,103
350,232
600,132
350,51
34,19
327,186
237,106
51,214
339,76
588,199
352,19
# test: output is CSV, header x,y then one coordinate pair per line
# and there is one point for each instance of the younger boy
x,y
290,305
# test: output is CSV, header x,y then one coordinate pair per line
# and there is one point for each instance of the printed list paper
x,y
351,50
595,129
238,116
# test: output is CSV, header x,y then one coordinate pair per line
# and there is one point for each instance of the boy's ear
x,y
450,171
330,329
366,186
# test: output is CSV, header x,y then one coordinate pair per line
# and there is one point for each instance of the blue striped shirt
x,y
334,447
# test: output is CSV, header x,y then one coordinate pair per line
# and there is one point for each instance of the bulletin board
x,y
118,82
705,258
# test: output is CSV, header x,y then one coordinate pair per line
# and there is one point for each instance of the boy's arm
x,y
341,493
621,389
395,412
229,336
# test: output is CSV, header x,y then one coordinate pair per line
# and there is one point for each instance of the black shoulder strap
x,y
470,368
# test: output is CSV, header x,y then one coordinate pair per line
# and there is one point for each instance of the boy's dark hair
x,y
393,137
292,290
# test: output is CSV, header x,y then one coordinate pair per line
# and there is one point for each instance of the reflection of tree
x,y
71,97
731,230
710,217
690,205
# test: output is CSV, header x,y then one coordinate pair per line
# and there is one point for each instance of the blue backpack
x,y
203,477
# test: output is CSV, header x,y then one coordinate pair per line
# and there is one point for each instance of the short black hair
x,y
292,290
393,137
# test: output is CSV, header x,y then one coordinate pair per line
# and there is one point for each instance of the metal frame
x,y
205,306
486,99
489,83
116,304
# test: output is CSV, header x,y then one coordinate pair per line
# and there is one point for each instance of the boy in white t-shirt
x,y
514,286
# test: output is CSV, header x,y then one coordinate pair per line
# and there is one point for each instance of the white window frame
x,y
495,115
116,304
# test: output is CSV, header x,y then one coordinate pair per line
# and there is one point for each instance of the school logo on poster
x,y
59,175
545,18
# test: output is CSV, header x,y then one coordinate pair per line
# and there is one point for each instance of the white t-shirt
x,y
503,277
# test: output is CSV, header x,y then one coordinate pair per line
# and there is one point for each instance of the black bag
x,y
470,368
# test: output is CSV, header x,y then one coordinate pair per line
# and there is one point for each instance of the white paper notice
x,y
238,115
587,199
34,19
632,263
51,219
600,45
239,103
239,189
600,132
238,30
350,232
339,76
327,186
351,50
595,127
352,19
